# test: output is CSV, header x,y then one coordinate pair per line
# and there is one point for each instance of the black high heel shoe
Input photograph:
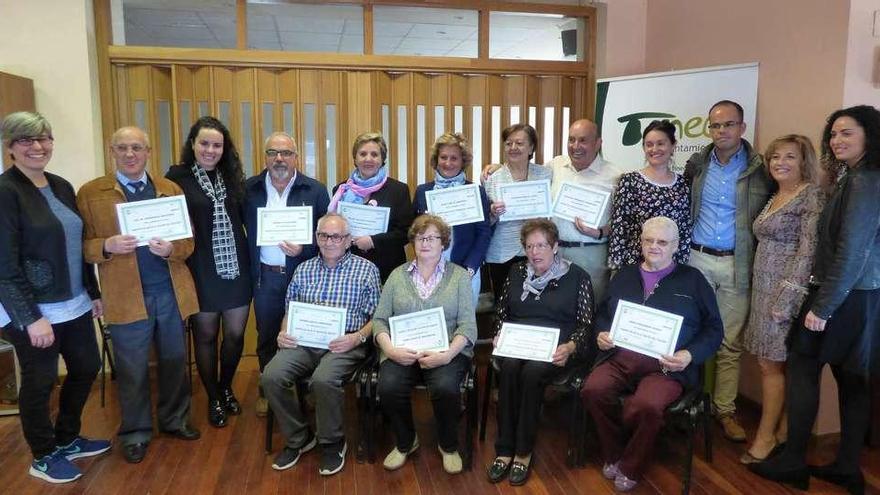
x,y
854,483
798,477
216,413
230,403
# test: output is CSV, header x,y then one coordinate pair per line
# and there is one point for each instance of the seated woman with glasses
x,y
548,291
648,385
427,282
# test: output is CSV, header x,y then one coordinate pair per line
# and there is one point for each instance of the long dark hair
x,y
229,164
868,118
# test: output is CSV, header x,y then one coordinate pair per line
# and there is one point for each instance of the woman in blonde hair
x,y
369,184
451,156
786,233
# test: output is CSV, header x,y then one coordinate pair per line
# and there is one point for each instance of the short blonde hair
x,y
421,224
370,137
452,139
810,167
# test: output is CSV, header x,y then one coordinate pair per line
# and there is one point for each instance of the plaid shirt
x,y
425,289
352,284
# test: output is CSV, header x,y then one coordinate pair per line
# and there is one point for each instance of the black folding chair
x,y
106,358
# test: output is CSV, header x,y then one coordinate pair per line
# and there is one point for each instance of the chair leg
x,y
371,427
471,422
189,350
689,454
487,391
103,368
707,428
270,423
572,453
361,452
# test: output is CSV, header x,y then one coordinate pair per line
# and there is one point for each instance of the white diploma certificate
x,y
456,205
365,220
527,342
290,223
645,330
313,325
420,331
575,200
524,200
164,218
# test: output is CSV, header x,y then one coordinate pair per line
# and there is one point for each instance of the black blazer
x,y
33,257
388,252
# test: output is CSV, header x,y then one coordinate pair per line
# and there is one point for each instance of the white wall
x,y
52,42
861,83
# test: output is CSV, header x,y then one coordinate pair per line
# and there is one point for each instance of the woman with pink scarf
x,y
370,185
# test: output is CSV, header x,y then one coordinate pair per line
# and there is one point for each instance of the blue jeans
x,y
269,295
131,349
75,341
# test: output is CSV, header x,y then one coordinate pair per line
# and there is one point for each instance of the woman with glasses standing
x,y
504,248
369,184
427,282
49,296
549,291
211,177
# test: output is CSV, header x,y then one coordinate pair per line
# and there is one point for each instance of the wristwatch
x,y
362,337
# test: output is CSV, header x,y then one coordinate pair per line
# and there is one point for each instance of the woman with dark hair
x,y
549,291
655,190
48,296
838,323
504,248
451,156
211,177
786,234
369,184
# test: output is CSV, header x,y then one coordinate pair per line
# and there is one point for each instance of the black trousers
x,y
444,388
802,397
75,341
520,394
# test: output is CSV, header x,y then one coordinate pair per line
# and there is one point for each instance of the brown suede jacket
x,y
119,277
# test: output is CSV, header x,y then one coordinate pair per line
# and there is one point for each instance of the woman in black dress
x,y
838,324
211,177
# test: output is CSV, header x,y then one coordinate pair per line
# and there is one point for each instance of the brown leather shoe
x,y
733,431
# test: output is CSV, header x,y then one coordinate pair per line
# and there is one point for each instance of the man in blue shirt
x,y
334,278
729,187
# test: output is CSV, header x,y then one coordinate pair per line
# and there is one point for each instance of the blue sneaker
x,y
83,447
55,468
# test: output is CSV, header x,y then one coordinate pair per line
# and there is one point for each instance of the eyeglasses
x,y
333,238
428,239
723,125
123,148
29,141
541,246
284,153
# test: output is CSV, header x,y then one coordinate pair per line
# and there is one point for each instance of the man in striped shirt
x,y
336,278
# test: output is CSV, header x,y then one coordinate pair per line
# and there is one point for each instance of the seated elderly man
x,y
649,385
334,278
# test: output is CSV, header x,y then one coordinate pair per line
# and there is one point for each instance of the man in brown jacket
x,y
148,290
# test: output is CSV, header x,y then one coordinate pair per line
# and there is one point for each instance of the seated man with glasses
x,y
337,278
280,184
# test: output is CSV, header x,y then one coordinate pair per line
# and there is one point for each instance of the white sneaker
x,y
396,459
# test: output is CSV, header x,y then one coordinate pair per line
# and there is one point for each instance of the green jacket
x,y
753,185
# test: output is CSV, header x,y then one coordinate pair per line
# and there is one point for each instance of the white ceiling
x,y
280,25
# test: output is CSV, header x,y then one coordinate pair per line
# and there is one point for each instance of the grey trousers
x,y
131,342
329,371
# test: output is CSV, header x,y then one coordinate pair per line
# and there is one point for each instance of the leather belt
x,y
714,252
571,244
274,268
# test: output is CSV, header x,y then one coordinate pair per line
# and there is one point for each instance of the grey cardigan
x,y
453,293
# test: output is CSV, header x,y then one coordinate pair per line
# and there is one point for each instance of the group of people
x,y
769,253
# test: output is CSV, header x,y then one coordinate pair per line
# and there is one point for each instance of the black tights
x,y
206,327
802,397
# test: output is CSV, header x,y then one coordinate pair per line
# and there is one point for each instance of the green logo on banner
x,y
693,127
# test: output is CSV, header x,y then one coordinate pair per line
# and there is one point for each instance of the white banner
x,y
626,105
